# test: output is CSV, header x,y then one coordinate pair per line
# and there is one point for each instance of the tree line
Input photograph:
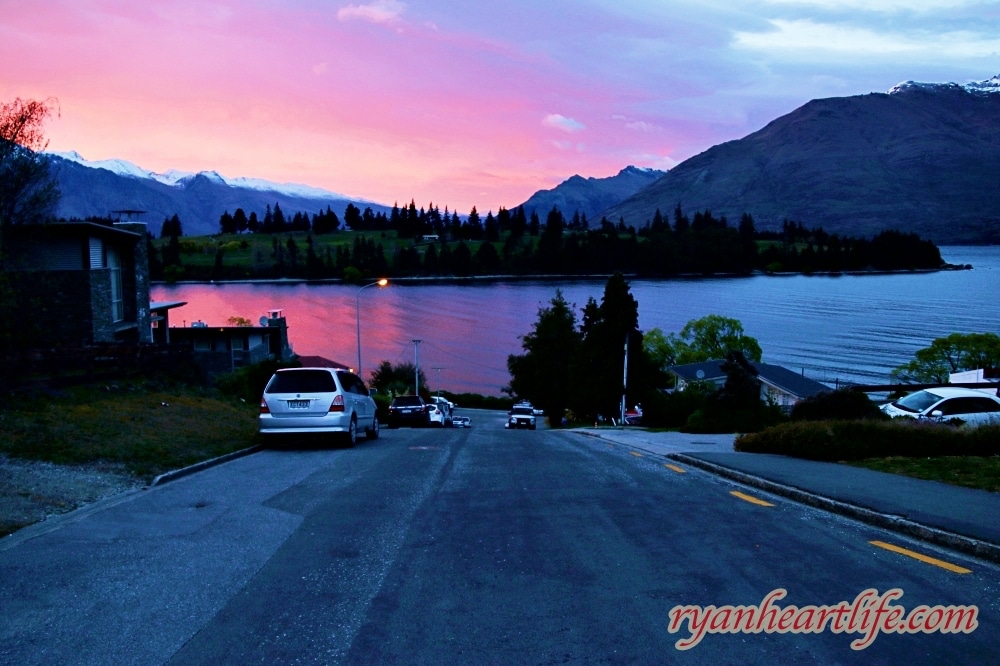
x,y
514,243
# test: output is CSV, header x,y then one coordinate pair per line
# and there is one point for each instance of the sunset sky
x,y
455,102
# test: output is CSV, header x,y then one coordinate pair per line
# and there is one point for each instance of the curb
x,y
204,464
964,544
54,522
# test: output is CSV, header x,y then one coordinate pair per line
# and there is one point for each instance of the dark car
x,y
408,410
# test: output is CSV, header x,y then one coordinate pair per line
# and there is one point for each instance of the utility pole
x,y
416,366
624,382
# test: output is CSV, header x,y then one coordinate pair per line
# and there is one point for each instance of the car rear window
x,y
407,400
302,381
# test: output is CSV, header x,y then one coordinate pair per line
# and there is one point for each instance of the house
x,y
80,283
778,385
220,349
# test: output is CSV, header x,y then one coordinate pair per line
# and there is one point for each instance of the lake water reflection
x,y
843,328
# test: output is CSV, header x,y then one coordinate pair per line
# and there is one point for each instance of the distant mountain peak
x,y
177,178
991,85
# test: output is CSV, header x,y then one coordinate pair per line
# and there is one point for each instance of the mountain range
x,y
102,188
590,196
922,157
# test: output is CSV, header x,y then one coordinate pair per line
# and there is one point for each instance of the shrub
x,y
839,405
672,410
717,418
856,440
248,383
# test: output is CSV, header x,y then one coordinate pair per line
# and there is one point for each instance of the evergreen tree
x,y
240,221
278,220
352,217
540,373
487,259
600,364
474,226
491,230
227,225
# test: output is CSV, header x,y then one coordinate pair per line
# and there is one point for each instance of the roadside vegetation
x,y
148,427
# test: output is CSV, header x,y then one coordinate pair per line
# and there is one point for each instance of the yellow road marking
x,y
675,468
637,455
923,558
748,498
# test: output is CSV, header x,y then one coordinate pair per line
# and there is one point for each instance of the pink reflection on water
x,y
463,348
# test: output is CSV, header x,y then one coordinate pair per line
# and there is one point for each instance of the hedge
x,y
856,440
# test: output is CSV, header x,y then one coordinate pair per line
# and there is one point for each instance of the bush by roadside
x,y
857,440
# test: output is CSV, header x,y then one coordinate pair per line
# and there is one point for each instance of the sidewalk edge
x,y
204,464
964,544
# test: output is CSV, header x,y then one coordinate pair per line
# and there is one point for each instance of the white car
x,y
447,408
437,416
300,401
971,406
461,421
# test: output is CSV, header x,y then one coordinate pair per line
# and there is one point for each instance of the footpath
x,y
961,519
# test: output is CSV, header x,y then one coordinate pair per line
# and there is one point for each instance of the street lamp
x,y
357,315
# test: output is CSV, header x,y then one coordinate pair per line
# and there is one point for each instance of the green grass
x,y
149,431
968,471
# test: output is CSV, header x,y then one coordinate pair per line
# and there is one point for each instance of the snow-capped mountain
x,y
989,86
96,188
921,158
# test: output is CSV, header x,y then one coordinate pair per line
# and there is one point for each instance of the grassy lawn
x,y
968,471
149,430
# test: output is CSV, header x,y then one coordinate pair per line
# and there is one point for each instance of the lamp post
x,y
357,314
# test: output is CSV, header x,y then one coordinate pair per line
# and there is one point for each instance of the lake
x,y
832,328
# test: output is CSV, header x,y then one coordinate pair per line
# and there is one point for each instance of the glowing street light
x,y
357,315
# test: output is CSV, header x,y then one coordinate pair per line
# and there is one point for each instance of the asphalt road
x,y
462,546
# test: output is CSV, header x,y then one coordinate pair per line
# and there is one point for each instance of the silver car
x,y
317,400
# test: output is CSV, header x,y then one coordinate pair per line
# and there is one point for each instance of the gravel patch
x,y
31,491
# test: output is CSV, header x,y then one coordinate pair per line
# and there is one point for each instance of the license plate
x,y
298,404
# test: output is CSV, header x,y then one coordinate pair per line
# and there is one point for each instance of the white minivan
x,y
317,400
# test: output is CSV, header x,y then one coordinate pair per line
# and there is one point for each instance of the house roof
x,y
165,305
64,229
790,382
320,362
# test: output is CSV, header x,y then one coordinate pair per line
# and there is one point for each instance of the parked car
x,y
408,410
437,415
521,416
461,421
447,408
971,406
317,400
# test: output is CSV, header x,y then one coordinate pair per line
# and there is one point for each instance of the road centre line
x,y
637,455
923,558
749,498
679,470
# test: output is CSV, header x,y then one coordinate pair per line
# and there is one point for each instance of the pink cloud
x,y
379,11
562,123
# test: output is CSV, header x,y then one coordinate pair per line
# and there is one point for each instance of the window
x,y
117,301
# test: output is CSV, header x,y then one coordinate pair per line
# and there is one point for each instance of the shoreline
x,y
493,279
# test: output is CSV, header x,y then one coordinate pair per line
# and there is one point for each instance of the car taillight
x,y
338,404
263,407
